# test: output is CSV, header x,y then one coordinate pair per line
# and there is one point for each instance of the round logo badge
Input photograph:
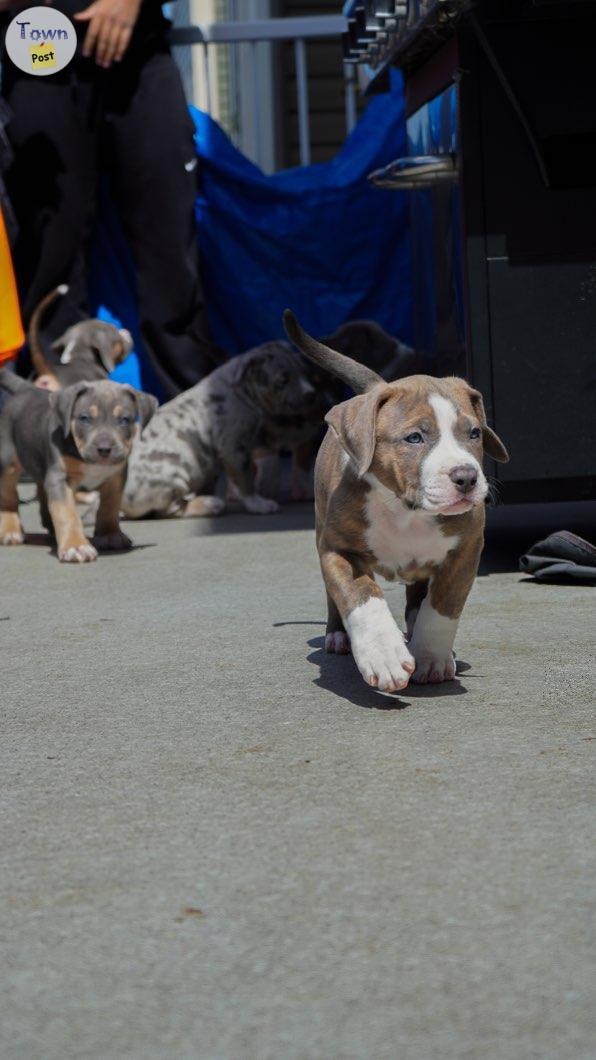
x,y
41,40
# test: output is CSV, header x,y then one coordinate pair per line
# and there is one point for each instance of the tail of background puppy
x,y
35,348
357,376
12,383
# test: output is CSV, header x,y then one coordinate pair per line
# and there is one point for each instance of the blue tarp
x,y
317,238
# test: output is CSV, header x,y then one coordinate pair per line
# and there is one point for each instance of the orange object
x,y
12,335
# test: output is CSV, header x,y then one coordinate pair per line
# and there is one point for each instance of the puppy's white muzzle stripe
x,y
437,488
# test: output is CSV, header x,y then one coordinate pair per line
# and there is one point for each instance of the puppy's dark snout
x,y
104,450
464,477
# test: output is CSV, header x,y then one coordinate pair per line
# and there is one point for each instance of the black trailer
x,y
501,107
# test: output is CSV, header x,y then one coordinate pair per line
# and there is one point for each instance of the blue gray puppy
x,y
79,437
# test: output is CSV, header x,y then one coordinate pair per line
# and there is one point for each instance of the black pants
x,y
133,121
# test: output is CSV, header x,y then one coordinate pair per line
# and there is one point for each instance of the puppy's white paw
x,y
386,664
199,507
378,646
77,554
112,542
11,531
257,505
13,537
337,643
434,669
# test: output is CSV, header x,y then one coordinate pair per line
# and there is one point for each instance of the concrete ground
x,y
218,843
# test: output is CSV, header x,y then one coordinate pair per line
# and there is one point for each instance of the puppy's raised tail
x,y
38,357
357,376
13,383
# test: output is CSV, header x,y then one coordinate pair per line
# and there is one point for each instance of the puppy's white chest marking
x,y
398,537
96,474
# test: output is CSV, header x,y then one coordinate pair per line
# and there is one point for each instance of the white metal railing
x,y
297,30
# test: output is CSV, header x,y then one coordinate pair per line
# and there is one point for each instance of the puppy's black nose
x,y
465,477
104,450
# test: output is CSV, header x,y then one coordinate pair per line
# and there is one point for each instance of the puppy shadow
x,y
38,539
338,674
124,551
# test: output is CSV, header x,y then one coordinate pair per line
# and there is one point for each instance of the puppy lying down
x,y
214,427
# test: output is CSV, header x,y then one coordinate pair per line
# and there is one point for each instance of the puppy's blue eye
x,y
475,432
125,421
415,438
84,417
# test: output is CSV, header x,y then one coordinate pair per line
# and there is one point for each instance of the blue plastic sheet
x,y
318,238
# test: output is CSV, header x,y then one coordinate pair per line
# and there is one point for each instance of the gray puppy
x,y
364,341
214,427
77,437
89,350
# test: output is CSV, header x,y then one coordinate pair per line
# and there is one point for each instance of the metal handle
x,y
422,171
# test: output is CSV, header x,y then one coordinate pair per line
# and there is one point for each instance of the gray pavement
x,y
218,843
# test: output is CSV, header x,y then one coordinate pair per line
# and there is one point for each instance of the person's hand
x,y
111,23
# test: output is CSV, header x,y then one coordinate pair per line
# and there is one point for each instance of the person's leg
x,y
154,167
52,184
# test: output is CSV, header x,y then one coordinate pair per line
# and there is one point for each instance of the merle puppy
x,y
214,427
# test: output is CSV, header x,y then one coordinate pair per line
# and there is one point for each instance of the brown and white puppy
x,y
79,437
399,491
86,351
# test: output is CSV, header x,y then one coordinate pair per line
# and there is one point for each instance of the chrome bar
x,y
207,75
302,96
350,96
261,29
256,120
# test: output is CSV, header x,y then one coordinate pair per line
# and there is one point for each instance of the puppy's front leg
x,y
11,531
72,545
301,484
377,644
108,534
267,475
241,476
437,619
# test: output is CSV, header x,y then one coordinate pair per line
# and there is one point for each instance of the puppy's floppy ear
x,y
355,424
237,368
146,405
107,345
62,404
493,445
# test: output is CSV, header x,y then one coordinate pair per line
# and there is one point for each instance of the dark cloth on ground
x,y
561,557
